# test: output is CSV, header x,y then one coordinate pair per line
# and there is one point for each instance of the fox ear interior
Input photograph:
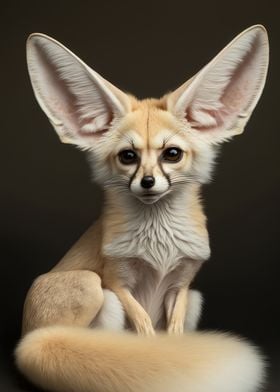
x,y
219,100
79,103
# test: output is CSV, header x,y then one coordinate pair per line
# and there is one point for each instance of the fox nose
x,y
148,182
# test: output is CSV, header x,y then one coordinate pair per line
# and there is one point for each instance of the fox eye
x,y
172,154
128,157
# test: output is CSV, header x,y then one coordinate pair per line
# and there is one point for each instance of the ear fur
x,y
219,100
79,103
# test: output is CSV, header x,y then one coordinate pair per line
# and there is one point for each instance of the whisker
x,y
177,179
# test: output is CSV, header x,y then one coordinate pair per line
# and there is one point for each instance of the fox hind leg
x,y
65,298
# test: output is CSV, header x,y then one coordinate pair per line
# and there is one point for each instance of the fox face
x,y
149,155
150,148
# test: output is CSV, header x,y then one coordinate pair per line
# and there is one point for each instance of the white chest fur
x,y
161,234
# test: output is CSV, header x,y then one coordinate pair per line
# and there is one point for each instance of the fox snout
x,y
149,188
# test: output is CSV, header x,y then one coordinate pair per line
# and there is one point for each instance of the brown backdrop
x,y
47,201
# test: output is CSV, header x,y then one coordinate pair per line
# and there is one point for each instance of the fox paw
x,y
176,327
144,326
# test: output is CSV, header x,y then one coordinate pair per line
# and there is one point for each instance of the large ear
x,y
219,100
79,103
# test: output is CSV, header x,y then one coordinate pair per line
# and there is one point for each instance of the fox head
x,y
153,147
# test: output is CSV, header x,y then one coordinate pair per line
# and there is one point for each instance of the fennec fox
x,y
133,268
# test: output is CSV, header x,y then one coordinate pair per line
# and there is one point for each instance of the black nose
x,y
147,182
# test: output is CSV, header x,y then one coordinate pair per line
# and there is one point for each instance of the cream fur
x,y
133,268
111,315
161,234
66,359
194,310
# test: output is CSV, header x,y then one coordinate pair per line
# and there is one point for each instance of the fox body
x,y
133,268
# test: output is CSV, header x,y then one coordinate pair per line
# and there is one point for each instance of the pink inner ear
x,y
60,101
86,126
232,98
68,93
211,118
89,125
238,93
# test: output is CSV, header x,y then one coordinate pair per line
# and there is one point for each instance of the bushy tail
x,y
65,359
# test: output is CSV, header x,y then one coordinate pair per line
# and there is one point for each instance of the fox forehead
x,y
150,125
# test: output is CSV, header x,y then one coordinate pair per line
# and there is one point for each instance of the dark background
x,y
47,200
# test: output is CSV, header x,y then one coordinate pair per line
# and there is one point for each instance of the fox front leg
x,y
181,302
113,279
176,305
135,312
179,320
